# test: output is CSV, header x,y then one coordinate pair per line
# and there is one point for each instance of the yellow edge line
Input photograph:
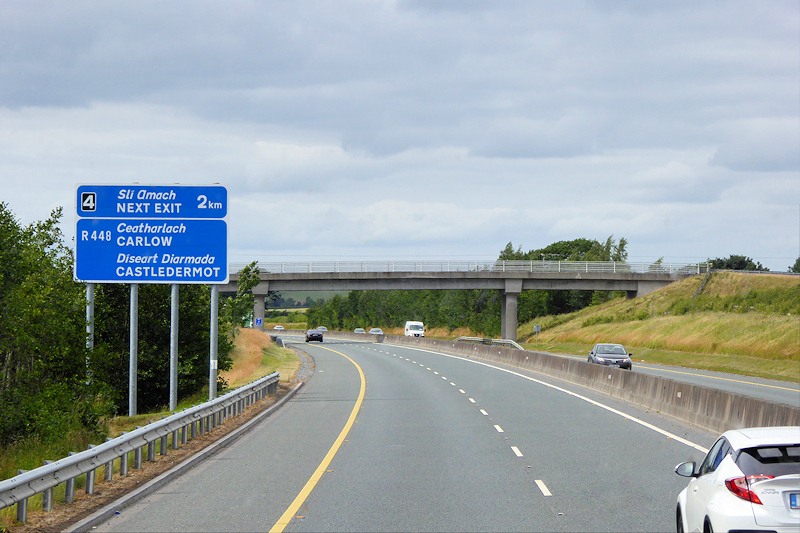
x,y
284,520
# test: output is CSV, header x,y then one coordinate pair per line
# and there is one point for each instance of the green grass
x,y
742,324
732,364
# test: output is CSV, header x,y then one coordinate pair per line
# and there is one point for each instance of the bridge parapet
x,y
311,267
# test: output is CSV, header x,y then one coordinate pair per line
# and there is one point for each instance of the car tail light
x,y
740,486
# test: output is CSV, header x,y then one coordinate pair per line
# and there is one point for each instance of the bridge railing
x,y
201,418
322,267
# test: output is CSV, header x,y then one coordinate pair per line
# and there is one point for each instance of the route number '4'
x,y
88,201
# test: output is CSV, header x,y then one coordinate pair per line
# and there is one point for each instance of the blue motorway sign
x,y
151,251
152,201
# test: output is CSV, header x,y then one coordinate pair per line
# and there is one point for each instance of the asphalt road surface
x,y
386,438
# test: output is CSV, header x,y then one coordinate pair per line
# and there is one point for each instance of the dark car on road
x,y
313,335
611,355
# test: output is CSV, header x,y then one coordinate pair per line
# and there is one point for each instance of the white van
x,y
415,329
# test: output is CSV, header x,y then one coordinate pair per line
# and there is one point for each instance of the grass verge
x,y
255,356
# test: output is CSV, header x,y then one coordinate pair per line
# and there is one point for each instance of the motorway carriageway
x,y
390,438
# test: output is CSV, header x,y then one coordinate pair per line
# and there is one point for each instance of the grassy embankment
x,y
746,324
254,356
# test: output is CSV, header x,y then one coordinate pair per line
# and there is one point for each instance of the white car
x,y
749,480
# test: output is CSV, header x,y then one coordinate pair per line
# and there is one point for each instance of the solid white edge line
x,y
584,398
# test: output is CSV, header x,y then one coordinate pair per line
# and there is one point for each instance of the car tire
x,y
589,360
707,527
678,520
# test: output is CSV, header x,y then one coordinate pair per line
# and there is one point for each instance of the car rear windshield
x,y
770,460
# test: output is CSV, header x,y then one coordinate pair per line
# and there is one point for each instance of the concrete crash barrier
x,y
705,407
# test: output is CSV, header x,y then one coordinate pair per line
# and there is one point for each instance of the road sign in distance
x,y
152,201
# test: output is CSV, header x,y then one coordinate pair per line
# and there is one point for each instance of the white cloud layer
x,y
363,129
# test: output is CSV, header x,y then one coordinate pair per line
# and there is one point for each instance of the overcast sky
x,y
379,129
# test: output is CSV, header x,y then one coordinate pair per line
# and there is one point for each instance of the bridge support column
x,y
260,292
508,316
258,311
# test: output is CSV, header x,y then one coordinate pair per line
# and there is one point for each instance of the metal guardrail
x,y
491,342
475,266
201,418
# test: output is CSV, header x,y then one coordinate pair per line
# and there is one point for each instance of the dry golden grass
x,y
745,341
246,356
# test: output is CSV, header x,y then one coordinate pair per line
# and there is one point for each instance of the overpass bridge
x,y
508,277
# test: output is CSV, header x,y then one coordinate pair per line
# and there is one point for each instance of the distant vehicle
x,y
611,355
376,331
414,329
321,328
749,481
278,327
313,335
359,330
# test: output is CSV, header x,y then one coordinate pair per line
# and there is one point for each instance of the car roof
x,y
762,436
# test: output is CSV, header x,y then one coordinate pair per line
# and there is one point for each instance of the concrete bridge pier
x,y
260,293
508,314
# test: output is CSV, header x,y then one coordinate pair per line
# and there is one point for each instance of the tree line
x,y
479,310
50,381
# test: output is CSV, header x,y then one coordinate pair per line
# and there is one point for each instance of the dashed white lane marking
x,y
516,451
484,413
453,384
461,391
584,398
499,429
543,487
472,400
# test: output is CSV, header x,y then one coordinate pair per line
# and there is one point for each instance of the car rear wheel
x,y
678,521
707,528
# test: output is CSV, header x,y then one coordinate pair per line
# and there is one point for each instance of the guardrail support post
x,y
47,497
137,458
90,476
109,473
164,445
69,492
22,505
151,451
123,464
